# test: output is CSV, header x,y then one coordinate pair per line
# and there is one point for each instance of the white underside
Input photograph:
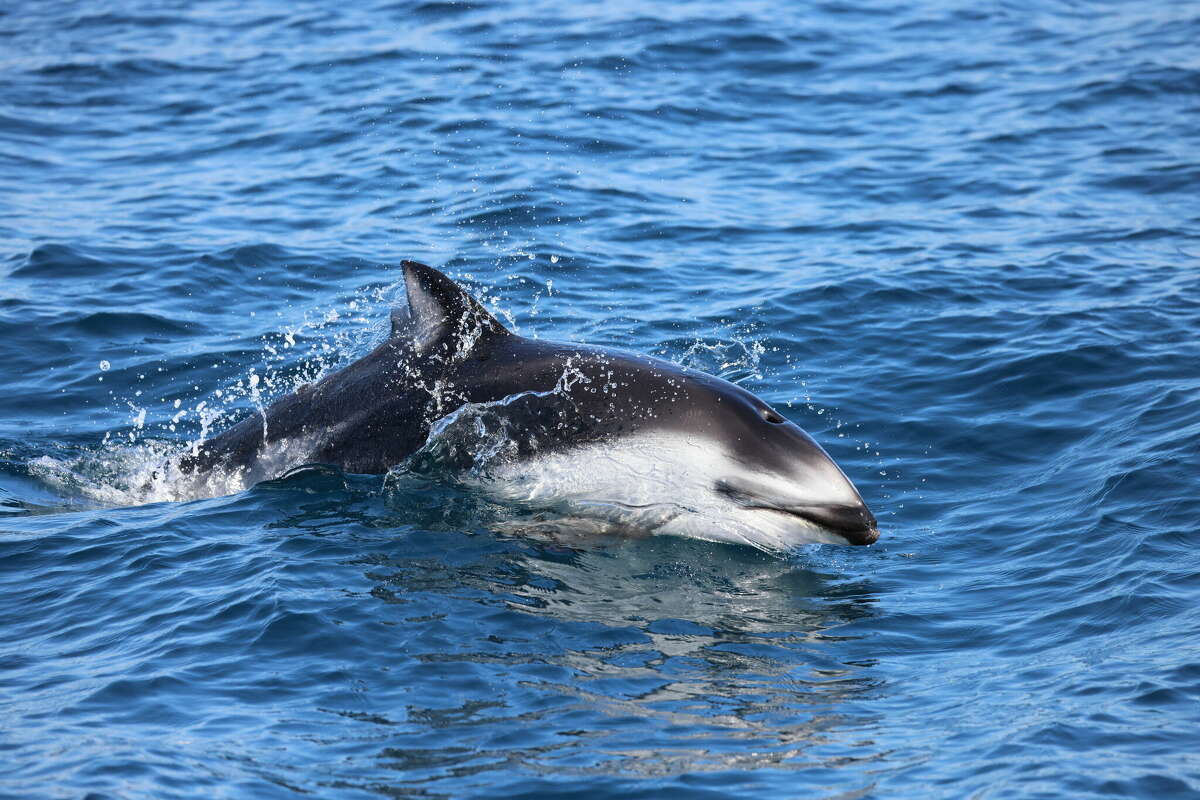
x,y
658,483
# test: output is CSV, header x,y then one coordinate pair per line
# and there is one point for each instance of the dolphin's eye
x,y
772,416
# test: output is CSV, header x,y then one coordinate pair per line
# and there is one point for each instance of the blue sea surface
x,y
959,243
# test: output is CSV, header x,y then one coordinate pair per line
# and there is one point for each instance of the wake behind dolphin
x,y
585,433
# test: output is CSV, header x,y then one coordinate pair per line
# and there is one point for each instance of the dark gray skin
x,y
446,350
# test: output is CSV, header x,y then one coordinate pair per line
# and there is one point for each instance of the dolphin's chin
x,y
771,530
845,525
784,529
844,521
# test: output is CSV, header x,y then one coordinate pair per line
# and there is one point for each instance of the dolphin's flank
x,y
592,433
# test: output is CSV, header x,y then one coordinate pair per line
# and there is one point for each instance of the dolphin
x,y
589,433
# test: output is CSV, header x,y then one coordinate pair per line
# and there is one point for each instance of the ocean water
x,y
959,243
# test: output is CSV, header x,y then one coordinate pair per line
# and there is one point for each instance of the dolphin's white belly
x,y
658,483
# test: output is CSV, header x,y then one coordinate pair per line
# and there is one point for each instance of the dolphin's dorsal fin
x,y
439,308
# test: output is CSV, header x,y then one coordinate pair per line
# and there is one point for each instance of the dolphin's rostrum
x,y
591,433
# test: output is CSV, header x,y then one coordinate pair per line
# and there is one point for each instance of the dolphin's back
x,y
371,415
363,418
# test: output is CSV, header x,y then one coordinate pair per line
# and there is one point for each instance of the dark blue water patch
x,y
1156,181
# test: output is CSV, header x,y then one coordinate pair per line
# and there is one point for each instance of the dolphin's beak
x,y
854,523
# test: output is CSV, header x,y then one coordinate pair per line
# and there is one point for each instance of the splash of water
x,y
137,464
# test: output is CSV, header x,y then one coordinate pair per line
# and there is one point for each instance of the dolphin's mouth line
x,y
854,534
854,523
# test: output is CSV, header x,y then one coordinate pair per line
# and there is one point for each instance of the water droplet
x,y
104,366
